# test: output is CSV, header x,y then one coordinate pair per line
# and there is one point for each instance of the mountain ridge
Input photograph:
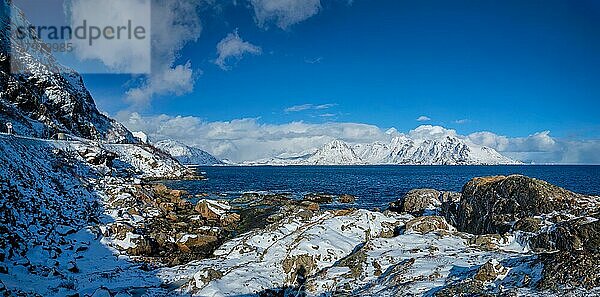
x,y
401,150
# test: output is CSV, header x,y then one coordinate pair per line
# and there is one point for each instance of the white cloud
x,y
174,24
232,46
284,13
316,60
538,142
462,121
309,106
431,132
423,118
122,55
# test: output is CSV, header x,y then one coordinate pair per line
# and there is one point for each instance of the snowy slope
x,y
51,201
187,154
334,153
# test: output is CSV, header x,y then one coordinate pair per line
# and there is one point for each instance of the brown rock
x,y
346,198
210,210
490,271
230,219
427,224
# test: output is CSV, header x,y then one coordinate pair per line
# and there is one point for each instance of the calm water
x,y
375,186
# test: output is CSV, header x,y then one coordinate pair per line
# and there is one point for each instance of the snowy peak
x,y
336,152
186,154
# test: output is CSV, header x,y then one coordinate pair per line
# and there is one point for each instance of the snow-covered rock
x,y
186,154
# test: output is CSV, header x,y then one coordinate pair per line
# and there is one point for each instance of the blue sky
x,y
519,76
513,67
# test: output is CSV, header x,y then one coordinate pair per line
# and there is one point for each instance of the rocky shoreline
x,y
97,223
516,233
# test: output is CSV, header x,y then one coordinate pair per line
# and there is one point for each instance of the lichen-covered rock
x,y
417,201
494,204
426,224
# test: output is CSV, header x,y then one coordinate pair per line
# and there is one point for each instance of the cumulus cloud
x,y
309,106
284,13
233,47
174,24
423,119
537,142
431,132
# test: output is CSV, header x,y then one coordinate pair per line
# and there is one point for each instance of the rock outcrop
x,y
495,204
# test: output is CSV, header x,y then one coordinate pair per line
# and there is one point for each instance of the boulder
x,y
490,271
211,209
230,219
417,201
427,224
494,204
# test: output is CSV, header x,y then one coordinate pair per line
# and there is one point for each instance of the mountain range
x,y
401,150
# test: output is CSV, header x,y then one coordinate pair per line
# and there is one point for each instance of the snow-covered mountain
x,y
401,150
39,96
187,154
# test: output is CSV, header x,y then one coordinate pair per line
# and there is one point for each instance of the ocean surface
x,y
374,186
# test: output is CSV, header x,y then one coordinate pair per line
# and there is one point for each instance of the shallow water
x,y
375,186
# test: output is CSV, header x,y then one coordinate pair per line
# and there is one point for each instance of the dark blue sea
x,y
375,186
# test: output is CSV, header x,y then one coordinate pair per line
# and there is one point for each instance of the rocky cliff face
x,y
40,96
